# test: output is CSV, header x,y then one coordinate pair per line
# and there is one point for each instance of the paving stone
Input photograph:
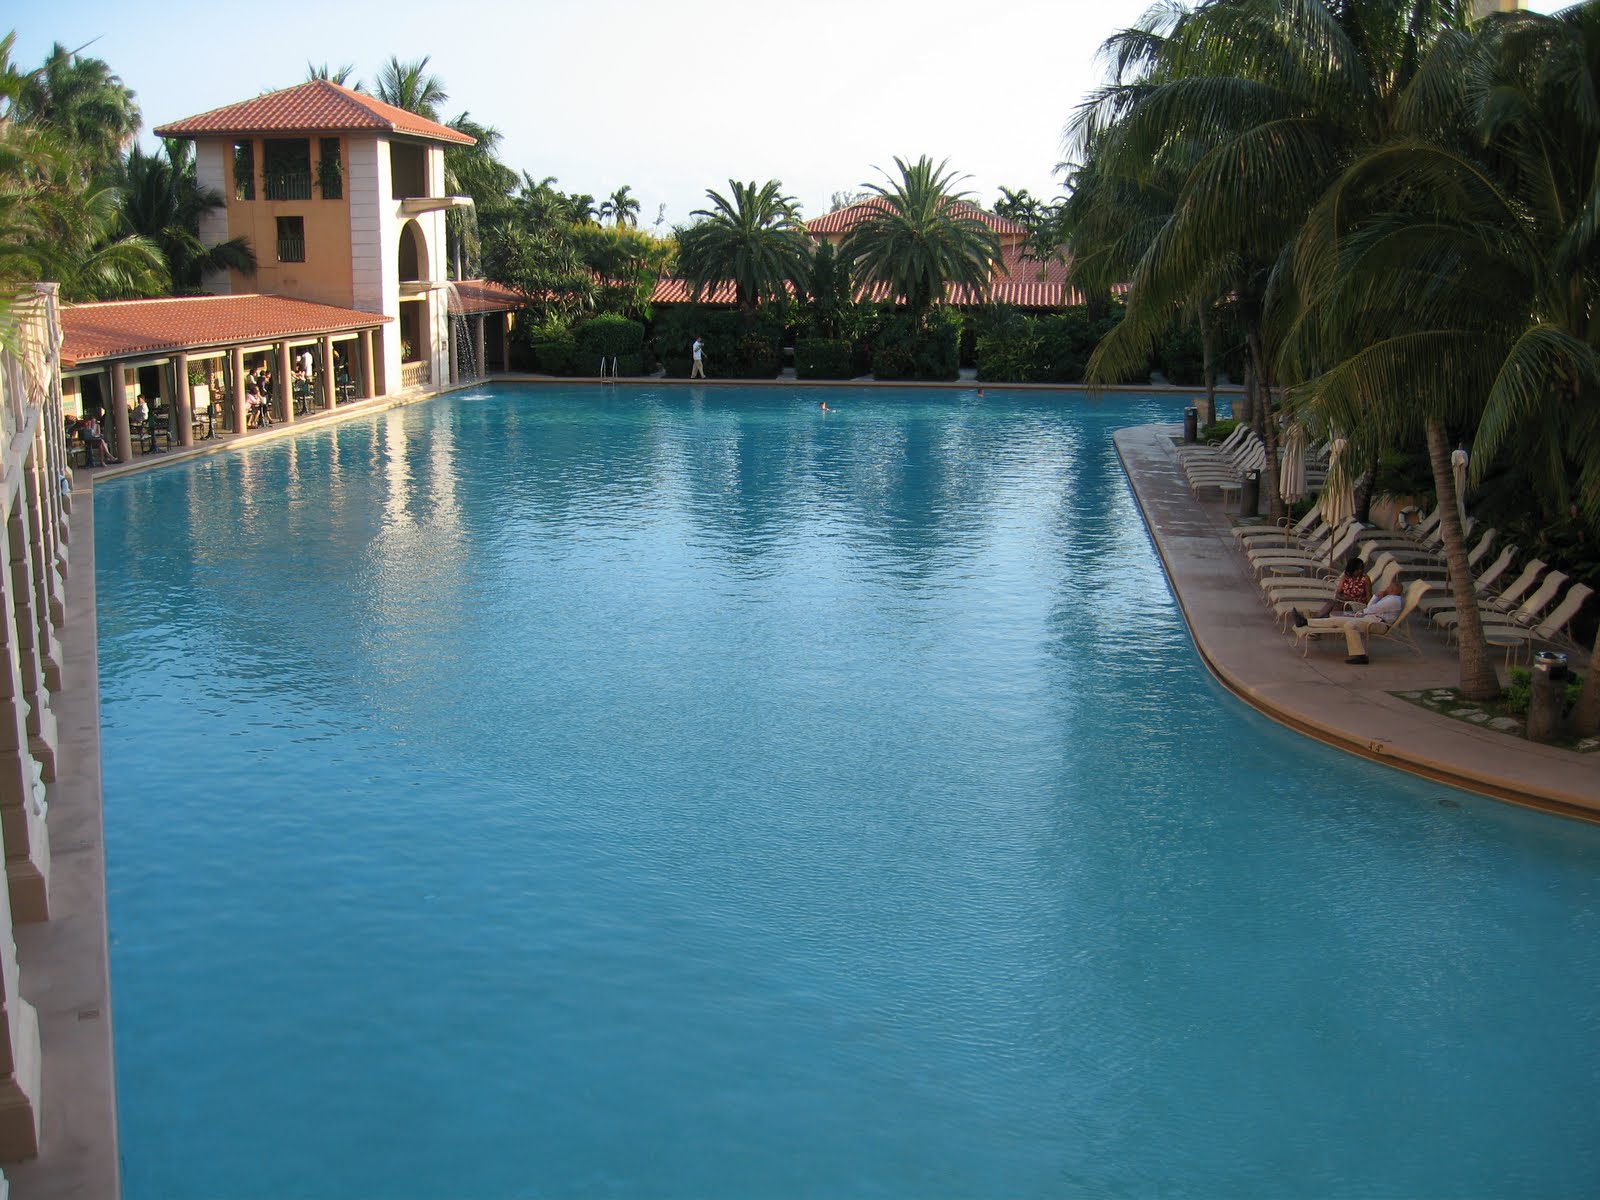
x,y
1463,712
1506,724
1409,695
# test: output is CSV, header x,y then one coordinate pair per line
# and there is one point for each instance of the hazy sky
x,y
671,97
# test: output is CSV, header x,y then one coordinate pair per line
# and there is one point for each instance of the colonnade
x,y
35,505
176,391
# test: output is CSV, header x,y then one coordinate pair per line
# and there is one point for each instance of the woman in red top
x,y
1353,586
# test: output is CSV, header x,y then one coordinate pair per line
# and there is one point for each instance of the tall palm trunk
x,y
1267,423
1478,680
1586,717
1208,358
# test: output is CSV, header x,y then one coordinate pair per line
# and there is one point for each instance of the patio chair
x,y
1507,600
1528,614
1284,561
1400,631
1482,586
1552,630
1290,534
1289,600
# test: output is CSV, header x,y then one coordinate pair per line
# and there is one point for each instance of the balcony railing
x,y
415,374
291,249
288,185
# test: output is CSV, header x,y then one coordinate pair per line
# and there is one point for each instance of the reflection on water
x,y
690,793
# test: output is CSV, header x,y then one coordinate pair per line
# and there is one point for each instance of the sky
x,y
670,97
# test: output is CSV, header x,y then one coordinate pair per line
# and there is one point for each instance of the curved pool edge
x,y
1320,696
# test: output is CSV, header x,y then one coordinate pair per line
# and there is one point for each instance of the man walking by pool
x,y
698,353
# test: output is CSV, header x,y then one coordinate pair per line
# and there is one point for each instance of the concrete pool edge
x,y
1348,708
66,959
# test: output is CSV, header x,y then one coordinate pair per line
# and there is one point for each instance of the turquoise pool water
x,y
691,794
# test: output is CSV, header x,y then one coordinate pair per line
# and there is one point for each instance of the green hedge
x,y
824,358
906,350
555,357
610,335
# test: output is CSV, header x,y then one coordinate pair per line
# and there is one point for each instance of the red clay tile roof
x,y
315,107
846,219
486,296
125,328
1019,281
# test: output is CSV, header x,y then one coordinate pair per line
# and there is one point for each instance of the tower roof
x,y
319,106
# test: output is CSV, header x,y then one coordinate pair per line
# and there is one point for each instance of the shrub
x,y
1218,431
907,351
824,358
1180,356
757,355
610,335
555,357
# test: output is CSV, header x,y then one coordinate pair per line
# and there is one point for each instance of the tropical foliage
x,y
1425,272
921,236
754,238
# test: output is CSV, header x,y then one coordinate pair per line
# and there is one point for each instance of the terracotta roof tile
x,y
486,296
319,106
846,219
1020,281
126,328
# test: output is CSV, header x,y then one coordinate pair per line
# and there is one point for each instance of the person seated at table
x,y
140,414
96,442
256,401
1354,587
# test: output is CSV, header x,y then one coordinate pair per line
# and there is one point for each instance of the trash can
x,y
1250,494
1547,696
1191,425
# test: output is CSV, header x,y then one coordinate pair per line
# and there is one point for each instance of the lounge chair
x,y
1528,614
1286,561
1507,600
1400,631
1482,586
1288,601
1282,530
1553,629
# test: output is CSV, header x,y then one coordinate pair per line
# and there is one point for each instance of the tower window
x,y
291,239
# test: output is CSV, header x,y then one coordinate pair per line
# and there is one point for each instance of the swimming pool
x,y
554,792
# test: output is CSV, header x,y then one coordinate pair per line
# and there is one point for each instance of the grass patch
x,y
1505,715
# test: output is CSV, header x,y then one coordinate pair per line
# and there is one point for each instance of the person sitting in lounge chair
x,y
1354,587
1381,612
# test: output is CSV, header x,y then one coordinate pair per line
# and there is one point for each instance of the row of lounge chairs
x,y
1297,568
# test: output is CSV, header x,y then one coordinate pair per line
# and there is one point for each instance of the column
x,y
48,594
328,383
364,365
479,356
453,367
40,718
236,400
27,842
121,435
45,485
19,1052
185,407
283,382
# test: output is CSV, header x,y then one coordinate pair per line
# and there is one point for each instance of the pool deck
x,y
1347,706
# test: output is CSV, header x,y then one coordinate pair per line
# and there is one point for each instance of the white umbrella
x,y
1458,467
1292,466
1338,499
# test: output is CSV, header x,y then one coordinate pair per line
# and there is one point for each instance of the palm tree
x,y
84,103
921,236
340,75
622,207
1245,99
409,86
753,237
162,201
1453,273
